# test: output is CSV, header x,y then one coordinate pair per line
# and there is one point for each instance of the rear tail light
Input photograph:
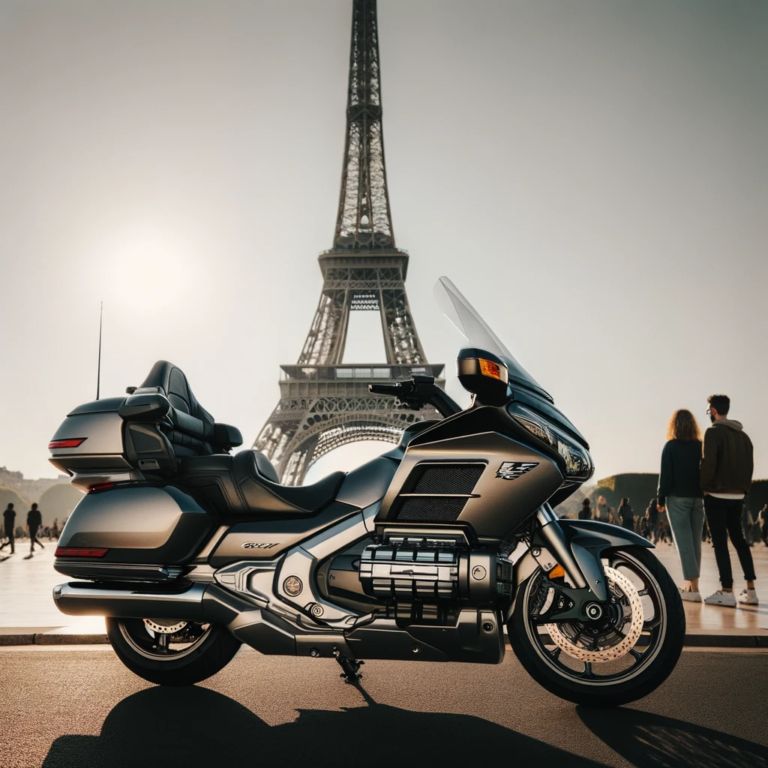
x,y
71,443
80,552
101,487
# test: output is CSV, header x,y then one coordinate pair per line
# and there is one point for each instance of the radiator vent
x,y
437,493
431,510
448,478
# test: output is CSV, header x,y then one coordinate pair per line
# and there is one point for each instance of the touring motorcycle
x,y
426,553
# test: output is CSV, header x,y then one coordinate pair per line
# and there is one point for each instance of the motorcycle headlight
x,y
578,463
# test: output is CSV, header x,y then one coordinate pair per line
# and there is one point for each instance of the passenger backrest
x,y
193,429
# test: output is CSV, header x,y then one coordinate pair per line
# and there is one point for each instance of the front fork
x,y
582,565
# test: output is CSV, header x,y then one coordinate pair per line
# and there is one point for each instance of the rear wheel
x,y
171,652
622,656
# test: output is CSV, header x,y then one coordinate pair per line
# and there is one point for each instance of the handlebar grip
x,y
384,389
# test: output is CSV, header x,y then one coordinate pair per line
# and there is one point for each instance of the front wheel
x,y
619,658
171,652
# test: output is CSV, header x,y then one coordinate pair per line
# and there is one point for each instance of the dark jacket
x,y
626,513
728,463
680,473
34,518
9,515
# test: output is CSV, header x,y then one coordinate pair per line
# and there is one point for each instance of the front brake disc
x,y
616,582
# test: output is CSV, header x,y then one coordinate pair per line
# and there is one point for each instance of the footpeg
x,y
350,667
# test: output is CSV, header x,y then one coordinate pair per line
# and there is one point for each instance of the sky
x,y
593,175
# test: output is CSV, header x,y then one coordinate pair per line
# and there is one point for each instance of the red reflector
x,y
72,443
80,552
101,487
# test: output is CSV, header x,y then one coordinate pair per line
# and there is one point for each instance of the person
x,y
603,511
652,515
55,528
680,496
726,476
645,527
9,518
585,513
626,514
763,519
34,520
747,525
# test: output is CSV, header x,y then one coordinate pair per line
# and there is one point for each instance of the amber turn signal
x,y
488,368
557,572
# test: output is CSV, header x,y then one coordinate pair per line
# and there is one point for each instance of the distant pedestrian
x,y
626,514
747,525
603,511
34,520
585,513
726,476
55,528
652,516
681,497
645,527
762,520
9,518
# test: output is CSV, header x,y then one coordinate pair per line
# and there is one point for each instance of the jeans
x,y
686,519
724,518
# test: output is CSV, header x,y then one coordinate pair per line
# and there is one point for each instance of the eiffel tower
x,y
325,403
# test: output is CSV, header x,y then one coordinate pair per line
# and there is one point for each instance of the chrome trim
x,y
302,562
83,599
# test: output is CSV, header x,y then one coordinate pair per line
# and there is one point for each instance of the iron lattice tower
x,y
324,403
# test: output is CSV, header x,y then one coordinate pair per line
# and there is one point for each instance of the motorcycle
x,y
427,553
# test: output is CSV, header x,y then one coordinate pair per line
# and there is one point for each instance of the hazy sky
x,y
593,174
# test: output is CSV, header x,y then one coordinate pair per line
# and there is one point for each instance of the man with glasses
x,y
726,475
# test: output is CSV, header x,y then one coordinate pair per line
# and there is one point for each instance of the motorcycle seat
x,y
246,486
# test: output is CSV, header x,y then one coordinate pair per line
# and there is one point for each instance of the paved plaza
x,y
66,708
26,602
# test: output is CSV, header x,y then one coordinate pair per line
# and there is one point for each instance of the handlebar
x,y
417,392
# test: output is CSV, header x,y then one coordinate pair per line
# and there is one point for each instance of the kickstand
x,y
350,667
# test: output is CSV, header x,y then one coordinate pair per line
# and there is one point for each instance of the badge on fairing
x,y
511,470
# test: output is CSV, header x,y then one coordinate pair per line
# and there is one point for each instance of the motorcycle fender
x,y
609,534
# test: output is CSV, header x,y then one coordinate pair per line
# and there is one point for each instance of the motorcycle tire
x,y
595,692
203,660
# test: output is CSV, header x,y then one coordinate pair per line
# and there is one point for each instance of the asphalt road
x,y
82,708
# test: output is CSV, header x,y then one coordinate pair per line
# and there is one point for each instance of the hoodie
x,y
727,464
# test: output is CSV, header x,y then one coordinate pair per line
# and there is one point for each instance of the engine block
x,y
430,570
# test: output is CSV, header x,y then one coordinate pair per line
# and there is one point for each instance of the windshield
x,y
479,334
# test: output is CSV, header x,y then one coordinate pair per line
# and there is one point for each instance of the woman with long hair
x,y
681,497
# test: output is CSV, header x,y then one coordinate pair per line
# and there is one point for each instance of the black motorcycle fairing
x,y
479,478
368,483
483,419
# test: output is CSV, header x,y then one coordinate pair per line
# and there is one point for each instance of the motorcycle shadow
x,y
198,727
653,741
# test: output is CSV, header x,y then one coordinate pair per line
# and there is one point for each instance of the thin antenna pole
x,y
98,372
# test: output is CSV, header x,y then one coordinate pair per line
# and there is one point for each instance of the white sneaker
x,y
722,598
687,594
748,597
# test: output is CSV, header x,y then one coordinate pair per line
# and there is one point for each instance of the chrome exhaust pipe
x,y
204,603
198,602
87,599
